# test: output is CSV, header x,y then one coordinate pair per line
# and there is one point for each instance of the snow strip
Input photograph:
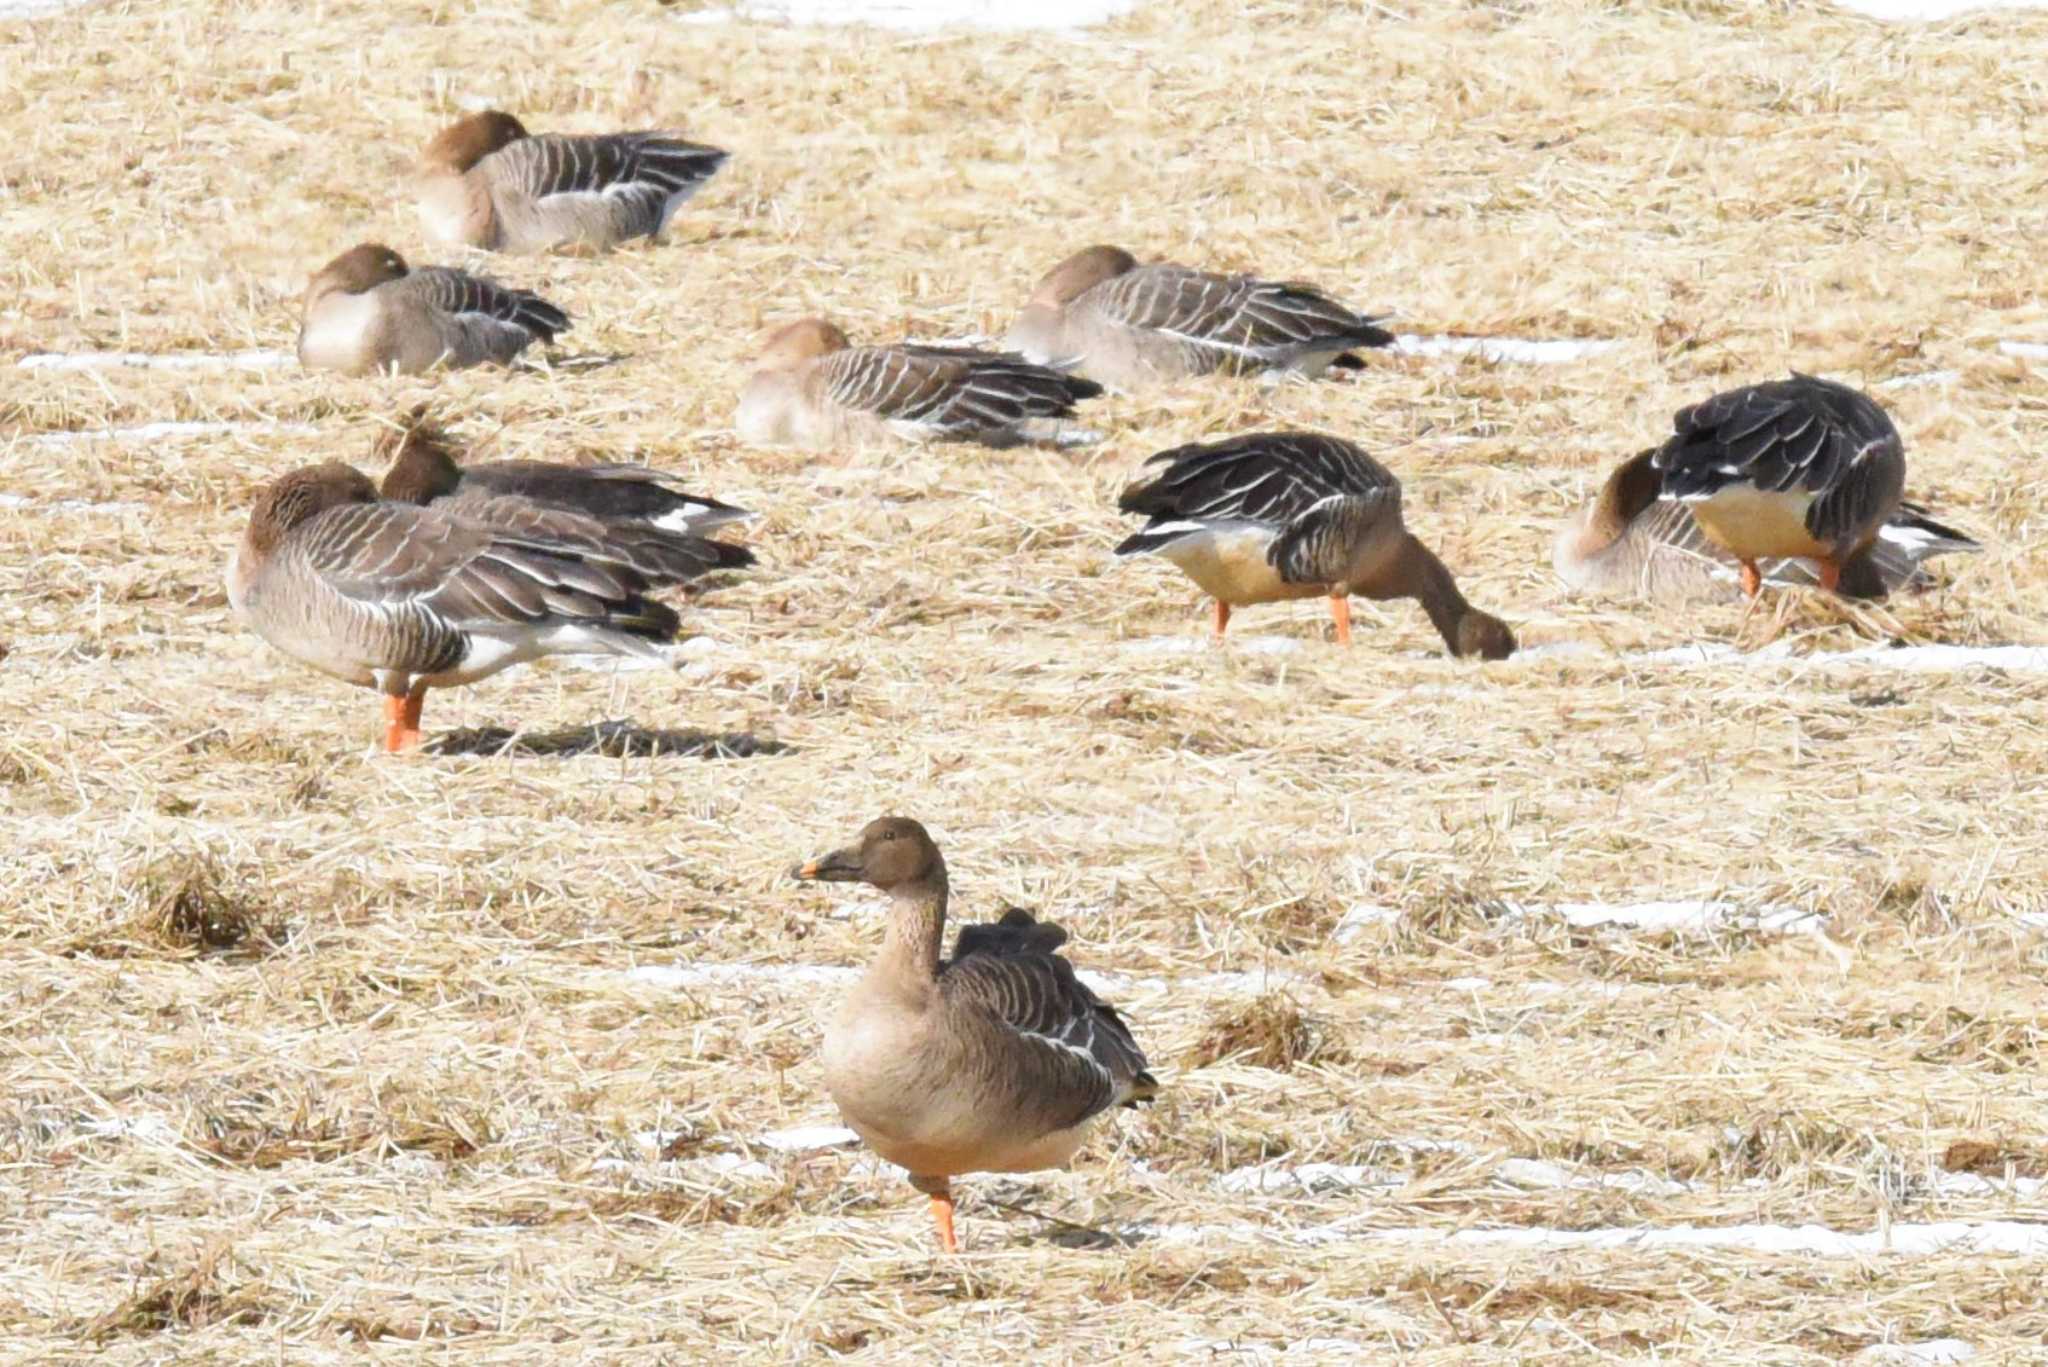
x,y
2020,1238
23,503
1932,11
919,16
1196,645
1922,659
1524,350
1924,379
1923,1354
35,9
146,360
152,431
809,1138
2028,351
1656,918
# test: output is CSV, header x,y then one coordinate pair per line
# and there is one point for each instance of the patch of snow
x,y
919,16
152,431
1976,1184
1535,1174
1921,659
1924,378
1519,350
1467,984
1356,920
1932,11
1680,917
148,360
1307,1179
1924,1354
1196,645
2026,351
809,1138
1320,1349
35,9
2018,1238
22,503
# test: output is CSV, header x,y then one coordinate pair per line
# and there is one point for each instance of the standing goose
x,y
1101,314
484,181
995,1060
1801,467
421,468
366,310
1631,541
815,389
1278,515
402,599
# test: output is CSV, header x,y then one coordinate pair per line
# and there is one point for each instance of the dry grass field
x,y
311,1053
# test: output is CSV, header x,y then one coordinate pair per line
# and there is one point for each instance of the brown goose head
x,y
794,343
893,852
292,499
421,460
356,270
1081,272
467,141
1483,634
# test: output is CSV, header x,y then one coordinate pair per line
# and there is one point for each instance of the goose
x,y
995,1060
420,468
485,182
366,310
401,598
1101,314
813,388
1804,468
1631,541
1278,515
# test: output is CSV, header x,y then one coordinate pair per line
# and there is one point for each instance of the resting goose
x,y
1631,541
484,181
366,310
1277,515
630,499
1801,468
1101,314
815,389
995,1060
402,599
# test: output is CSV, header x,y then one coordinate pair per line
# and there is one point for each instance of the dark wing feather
x,y
459,292
1802,434
646,165
613,492
1266,478
1243,319
955,390
1010,971
658,558
401,557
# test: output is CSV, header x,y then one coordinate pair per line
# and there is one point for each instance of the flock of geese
x,y
997,1059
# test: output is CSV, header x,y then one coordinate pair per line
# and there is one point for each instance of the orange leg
x,y
1222,617
1830,575
942,1212
1752,580
402,720
1340,613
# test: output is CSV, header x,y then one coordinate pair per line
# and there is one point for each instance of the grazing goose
x,y
1801,467
995,1060
421,469
1630,541
1276,515
814,389
1101,314
484,181
402,599
367,311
